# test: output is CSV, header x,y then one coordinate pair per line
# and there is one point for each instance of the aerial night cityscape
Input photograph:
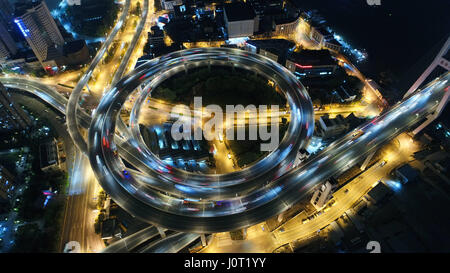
x,y
224,126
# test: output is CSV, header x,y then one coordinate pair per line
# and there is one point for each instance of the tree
x,y
237,235
138,11
29,239
165,94
317,102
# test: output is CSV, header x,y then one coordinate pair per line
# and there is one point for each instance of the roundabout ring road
x,y
183,201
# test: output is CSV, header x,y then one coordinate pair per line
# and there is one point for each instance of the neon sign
x,y
304,66
22,27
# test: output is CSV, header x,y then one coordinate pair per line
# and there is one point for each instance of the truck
x,y
357,134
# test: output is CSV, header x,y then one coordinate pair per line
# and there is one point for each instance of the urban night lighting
x,y
176,126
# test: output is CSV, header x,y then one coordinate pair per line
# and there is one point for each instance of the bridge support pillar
x,y
89,89
366,162
433,116
203,238
162,232
439,60
280,217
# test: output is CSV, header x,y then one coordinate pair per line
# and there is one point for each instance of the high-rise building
x,y
7,184
11,115
40,30
8,47
6,10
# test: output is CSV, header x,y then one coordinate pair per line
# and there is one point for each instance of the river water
x,y
395,34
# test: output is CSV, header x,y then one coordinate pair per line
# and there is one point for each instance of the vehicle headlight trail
x,y
216,202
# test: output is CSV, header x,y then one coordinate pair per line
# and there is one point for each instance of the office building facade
x,y
40,31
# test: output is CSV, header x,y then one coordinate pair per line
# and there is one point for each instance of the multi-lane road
x,y
72,106
80,209
346,197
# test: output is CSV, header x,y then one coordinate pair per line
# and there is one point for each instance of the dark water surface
x,y
395,34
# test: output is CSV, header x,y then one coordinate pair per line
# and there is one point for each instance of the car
x,y
126,174
383,163
229,156
332,203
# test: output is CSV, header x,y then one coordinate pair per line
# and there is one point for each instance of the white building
x,y
240,20
332,127
284,27
324,38
302,155
322,195
168,4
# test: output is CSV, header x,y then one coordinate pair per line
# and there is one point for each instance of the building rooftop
x,y
156,31
353,120
48,153
108,227
53,53
408,172
279,47
22,7
333,41
327,121
239,12
324,31
74,46
312,57
272,43
379,192
284,20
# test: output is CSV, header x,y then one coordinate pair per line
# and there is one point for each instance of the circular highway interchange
x,y
181,200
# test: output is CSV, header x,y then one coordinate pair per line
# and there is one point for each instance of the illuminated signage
x,y
22,27
304,66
